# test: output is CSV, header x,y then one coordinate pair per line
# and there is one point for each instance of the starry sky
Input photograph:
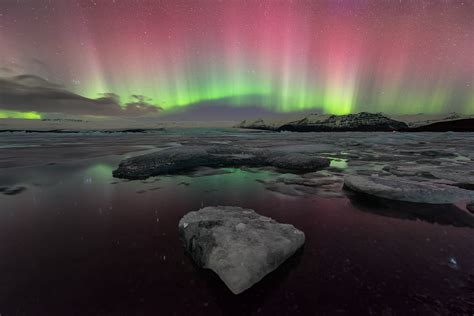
x,y
145,57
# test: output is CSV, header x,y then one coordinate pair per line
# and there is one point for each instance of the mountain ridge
x,y
364,121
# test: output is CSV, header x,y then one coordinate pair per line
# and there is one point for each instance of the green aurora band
x,y
329,56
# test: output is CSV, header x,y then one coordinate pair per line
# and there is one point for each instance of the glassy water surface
x,y
78,241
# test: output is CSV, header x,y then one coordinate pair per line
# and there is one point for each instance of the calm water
x,y
77,241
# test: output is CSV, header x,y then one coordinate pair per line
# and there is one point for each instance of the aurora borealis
x,y
338,57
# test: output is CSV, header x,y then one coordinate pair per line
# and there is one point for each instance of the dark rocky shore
x,y
361,122
68,131
457,125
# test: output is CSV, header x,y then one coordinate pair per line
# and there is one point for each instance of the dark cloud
x,y
6,71
40,68
223,110
138,104
10,69
33,93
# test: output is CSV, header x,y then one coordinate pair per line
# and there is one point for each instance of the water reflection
x,y
78,241
338,163
445,214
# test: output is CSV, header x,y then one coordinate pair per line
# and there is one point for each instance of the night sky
x,y
398,57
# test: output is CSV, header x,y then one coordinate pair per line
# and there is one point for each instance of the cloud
x,y
6,71
138,104
27,93
224,110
